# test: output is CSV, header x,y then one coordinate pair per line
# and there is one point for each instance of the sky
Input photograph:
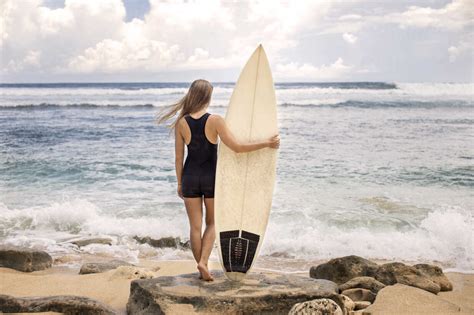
x,y
169,41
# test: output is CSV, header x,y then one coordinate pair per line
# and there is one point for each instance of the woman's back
x,y
202,154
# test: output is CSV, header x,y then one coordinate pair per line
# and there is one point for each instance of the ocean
x,y
380,170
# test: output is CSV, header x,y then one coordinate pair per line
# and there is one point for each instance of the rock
x,y
398,272
96,240
185,244
97,267
257,293
402,299
348,303
368,283
359,294
163,242
24,259
67,304
316,307
132,272
359,305
436,275
343,269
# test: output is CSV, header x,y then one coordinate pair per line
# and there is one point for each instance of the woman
x,y
200,130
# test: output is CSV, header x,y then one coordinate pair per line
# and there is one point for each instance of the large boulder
x,y
316,307
397,272
24,259
257,293
66,304
368,283
342,269
402,299
436,275
98,267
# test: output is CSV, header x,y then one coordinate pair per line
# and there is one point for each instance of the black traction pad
x,y
238,252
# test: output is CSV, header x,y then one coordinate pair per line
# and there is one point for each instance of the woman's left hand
x,y
180,192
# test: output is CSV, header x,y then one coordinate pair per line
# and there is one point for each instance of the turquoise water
x,y
380,170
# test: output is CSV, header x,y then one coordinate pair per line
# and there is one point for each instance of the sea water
x,y
380,170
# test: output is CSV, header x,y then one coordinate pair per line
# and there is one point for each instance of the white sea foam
x,y
299,95
87,91
445,235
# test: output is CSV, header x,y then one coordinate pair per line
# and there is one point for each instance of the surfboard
x,y
245,181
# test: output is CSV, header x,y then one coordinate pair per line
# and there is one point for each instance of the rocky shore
x,y
32,281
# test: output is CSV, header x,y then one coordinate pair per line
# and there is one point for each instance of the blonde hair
x,y
197,97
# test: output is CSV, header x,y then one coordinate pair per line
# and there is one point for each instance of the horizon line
x,y
226,82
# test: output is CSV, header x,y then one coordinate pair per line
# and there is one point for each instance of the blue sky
x,y
141,40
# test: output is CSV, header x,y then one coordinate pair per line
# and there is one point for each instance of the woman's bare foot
x,y
204,272
200,273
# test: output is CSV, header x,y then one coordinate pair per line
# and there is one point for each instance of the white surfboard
x,y
245,181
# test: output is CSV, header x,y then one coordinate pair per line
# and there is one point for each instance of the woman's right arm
x,y
229,140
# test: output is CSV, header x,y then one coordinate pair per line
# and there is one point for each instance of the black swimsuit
x,y
199,171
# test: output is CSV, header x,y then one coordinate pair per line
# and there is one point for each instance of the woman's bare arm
x,y
229,140
179,155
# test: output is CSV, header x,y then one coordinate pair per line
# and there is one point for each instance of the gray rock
x,y
359,294
368,283
24,259
316,307
66,304
185,244
359,305
164,242
398,272
349,305
402,299
257,293
97,267
95,240
343,269
436,275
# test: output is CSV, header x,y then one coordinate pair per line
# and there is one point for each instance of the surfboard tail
x,y
238,248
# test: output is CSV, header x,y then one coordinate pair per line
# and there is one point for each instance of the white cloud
x,y
350,38
350,17
109,56
32,58
308,72
453,16
93,36
455,51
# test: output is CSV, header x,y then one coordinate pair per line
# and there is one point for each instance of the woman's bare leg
x,y
207,240
194,210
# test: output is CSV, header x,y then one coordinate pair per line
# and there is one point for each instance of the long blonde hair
x,y
197,97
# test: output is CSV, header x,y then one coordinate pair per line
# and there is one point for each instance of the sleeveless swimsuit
x,y
199,171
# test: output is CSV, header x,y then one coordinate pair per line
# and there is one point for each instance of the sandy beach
x,y
113,288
